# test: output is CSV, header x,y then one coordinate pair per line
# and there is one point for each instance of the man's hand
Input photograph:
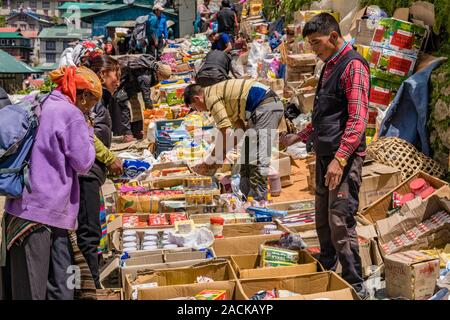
x,y
205,169
334,175
116,168
289,139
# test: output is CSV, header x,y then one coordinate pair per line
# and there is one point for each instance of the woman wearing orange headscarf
x,y
37,224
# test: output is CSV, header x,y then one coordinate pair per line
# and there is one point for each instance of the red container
x,y
418,185
217,226
407,197
427,192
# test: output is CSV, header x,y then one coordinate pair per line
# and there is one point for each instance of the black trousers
x,y
89,230
40,267
335,221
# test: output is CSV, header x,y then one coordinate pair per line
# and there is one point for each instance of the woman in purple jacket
x,y
39,250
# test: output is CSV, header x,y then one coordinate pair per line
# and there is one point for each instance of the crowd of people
x,y
95,99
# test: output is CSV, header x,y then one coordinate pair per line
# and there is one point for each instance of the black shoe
x,y
363,294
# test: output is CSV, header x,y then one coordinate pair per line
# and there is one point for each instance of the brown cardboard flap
x,y
145,260
189,290
184,256
241,245
424,11
344,294
304,284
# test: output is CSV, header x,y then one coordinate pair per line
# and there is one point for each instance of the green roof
x,y
121,24
47,66
9,64
11,35
69,14
62,32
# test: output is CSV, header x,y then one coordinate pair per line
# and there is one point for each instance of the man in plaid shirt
x,y
337,134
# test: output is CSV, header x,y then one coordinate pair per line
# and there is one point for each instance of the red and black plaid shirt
x,y
355,83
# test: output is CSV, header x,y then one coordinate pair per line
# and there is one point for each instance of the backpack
x,y
18,127
138,39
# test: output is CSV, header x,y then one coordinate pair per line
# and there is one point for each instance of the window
x,y
46,12
65,45
23,27
50,45
50,57
32,27
45,5
3,42
23,17
33,4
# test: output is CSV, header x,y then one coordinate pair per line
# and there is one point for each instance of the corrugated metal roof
x,y
47,66
11,35
8,64
121,24
63,32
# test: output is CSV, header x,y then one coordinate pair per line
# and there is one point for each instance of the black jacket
x,y
4,99
216,68
103,131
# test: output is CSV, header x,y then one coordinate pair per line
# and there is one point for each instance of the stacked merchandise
x,y
394,50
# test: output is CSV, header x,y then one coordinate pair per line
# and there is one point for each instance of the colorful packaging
x,y
400,36
382,92
391,65
278,255
157,220
133,168
212,295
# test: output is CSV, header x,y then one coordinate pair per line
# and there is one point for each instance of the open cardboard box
x,y
296,206
390,228
321,285
247,266
377,181
187,290
379,209
217,270
241,245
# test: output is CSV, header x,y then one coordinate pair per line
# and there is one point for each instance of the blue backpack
x,y
18,127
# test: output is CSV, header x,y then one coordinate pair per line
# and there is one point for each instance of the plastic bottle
x,y
233,207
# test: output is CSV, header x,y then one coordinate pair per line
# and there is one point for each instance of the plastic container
x,y
150,232
217,226
276,232
418,185
269,228
275,183
130,245
131,249
166,242
129,239
406,198
129,233
427,192
151,237
149,243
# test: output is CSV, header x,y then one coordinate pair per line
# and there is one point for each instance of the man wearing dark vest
x,y
227,20
216,68
337,133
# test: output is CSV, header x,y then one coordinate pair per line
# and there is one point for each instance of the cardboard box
x,y
247,266
382,93
109,294
282,162
379,209
137,203
241,245
362,33
188,290
377,181
301,60
217,270
399,35
391,65
411,275
325,285
397,227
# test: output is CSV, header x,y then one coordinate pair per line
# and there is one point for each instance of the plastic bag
x,y
198,239
258,52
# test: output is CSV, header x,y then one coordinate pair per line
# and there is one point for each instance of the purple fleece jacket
x,y
63,147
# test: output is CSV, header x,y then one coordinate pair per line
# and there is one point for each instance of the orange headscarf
x,y
70,79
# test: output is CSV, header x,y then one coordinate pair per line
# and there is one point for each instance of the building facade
x,y
54,40
44,7
16,45
28,21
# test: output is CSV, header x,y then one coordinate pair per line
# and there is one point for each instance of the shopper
x,y
337,134
216,68
204,14
139,74
220,41
89,230
37,224
232,103
158,31
227,20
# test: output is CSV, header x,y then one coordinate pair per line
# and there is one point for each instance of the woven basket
x,y
400,154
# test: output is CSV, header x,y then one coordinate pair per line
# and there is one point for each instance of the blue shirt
x,y
222,43
162,26
152,25
256,96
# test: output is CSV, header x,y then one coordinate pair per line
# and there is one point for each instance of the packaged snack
x,y
212,295
279,254
391,65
